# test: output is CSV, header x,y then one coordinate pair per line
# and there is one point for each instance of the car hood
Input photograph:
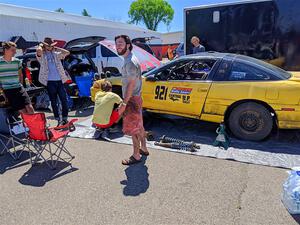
x,y
83,44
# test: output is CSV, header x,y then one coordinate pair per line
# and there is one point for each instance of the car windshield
x,y
149,70
274,69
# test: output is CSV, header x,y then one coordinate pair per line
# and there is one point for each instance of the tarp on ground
x,y
282,149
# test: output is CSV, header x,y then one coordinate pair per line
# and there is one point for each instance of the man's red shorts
x,y
113,119
133,117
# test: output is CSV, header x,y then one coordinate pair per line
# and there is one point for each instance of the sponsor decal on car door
x,y
178,97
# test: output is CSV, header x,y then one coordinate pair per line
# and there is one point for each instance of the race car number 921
x,y
161,92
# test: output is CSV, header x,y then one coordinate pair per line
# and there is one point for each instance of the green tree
x,y
61,10
85,13
151,13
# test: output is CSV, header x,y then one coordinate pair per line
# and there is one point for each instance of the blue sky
x,y
110,9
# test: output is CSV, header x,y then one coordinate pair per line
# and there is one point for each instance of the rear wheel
x,y
250,121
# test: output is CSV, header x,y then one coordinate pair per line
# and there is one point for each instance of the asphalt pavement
x,y
167,188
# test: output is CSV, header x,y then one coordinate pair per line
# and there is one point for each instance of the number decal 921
x,y
161,92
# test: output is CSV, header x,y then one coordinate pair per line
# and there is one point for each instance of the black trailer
x,y
264,29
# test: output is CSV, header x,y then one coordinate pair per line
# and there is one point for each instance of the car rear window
x,y
282,74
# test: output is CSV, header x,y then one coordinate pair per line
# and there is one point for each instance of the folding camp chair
x,y
16,143
46,142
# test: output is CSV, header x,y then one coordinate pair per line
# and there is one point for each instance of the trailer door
x,y
243,28
209,25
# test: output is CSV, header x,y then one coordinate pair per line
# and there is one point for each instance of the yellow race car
x,y
250,96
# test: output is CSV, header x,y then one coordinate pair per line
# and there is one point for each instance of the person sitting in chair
x,y
106,108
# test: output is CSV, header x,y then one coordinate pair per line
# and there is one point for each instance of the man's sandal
x,y
130,161
142,152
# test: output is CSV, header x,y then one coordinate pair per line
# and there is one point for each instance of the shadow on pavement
x,y
137,179
8,163
39,174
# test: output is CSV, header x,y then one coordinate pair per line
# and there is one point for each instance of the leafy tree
x,y
85,13
61,10
151,13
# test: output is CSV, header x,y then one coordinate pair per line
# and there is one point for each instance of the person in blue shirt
x,y
197,46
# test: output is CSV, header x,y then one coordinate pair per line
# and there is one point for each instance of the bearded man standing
x,y
131,108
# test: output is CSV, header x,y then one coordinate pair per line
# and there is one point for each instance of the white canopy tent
x,y
35,24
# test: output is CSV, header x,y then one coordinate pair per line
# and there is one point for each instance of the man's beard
x,y
123,51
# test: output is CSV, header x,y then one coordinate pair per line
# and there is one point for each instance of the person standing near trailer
x,y
197,46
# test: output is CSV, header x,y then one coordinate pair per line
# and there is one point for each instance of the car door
x,y
237,80
174,95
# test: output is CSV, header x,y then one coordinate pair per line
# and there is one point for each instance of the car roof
x,y
210,54
242,58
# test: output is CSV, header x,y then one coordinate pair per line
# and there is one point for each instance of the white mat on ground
x,y
273,152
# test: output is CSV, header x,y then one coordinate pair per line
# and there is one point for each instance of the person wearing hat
x,y
53,76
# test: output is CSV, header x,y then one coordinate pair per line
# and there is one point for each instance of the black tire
x,y
250,121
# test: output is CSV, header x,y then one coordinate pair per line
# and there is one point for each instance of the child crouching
x,y
105,113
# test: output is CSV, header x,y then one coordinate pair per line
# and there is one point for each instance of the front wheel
x,y
251,121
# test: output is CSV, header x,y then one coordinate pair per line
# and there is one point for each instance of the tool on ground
x,y
174,143
165,139
222,139
178,146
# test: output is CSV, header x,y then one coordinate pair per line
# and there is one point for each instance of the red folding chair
x,y
45,142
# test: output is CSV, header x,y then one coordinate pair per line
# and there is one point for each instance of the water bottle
x,y
291,192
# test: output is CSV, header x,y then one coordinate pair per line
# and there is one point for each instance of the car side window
x,y
189,70
199,70
245,72
223,71
105,52
163,73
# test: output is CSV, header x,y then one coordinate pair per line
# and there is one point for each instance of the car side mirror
x,y
151,78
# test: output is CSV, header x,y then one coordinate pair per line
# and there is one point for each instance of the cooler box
x,y
84,84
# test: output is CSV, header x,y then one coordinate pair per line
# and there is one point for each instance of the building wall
x,y
172,38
